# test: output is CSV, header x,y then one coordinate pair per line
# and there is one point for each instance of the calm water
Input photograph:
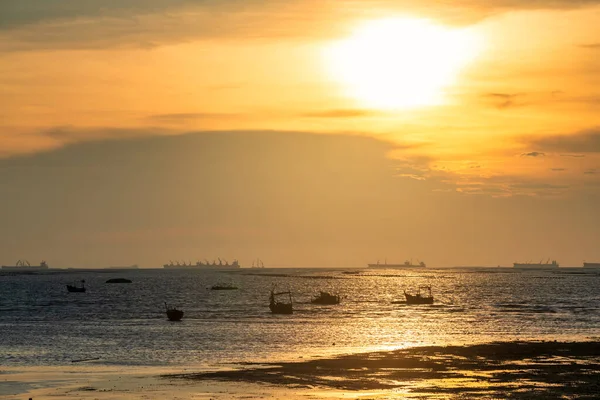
x,y
42,324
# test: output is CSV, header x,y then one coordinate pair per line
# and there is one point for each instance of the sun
x,y
400,63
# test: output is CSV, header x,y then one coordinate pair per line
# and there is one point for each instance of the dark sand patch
x,y
516,370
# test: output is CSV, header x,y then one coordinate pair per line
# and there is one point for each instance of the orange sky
x,y
517,123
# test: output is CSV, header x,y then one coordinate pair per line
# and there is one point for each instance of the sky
x,y
305,133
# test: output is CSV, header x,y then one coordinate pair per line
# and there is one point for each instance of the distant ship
x,y
134,266
23,265
540,265
407,264
258,264
206,265
591,265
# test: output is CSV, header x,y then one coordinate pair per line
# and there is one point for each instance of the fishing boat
x,y
280,307
77,289
223,287
418,298
326,298
173,313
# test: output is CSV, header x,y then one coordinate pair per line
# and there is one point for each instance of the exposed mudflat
x,y
520,370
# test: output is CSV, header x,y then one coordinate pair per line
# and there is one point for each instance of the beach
x,y
516,370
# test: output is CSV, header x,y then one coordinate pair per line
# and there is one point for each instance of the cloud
x,y
504,100
587,141
182,118
533,154
342,113
292,197
537,185
24,12
31,24
67,135
202,194
591,171
513,185
591,46
404,160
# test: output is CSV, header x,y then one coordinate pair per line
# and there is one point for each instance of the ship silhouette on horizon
x,y
540,265
203,265
407,264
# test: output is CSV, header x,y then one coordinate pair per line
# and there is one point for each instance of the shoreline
x,y
516,369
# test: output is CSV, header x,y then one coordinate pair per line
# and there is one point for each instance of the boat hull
x,y
410,299
281,308
223,288
325,298
174,315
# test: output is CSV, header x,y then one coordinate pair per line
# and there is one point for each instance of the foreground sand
x,y
519,370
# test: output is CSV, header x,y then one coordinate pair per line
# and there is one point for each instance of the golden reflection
x,y
400,63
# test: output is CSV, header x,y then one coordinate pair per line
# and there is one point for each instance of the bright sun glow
x,y
400,63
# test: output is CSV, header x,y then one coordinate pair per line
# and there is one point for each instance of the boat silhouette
x,y
223,287
419,298
280,307
406,264
325,298
173,314
77,289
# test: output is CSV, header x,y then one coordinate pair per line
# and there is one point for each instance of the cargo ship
x,y
23,265
591,265
540,265
134,266
203,265
407,264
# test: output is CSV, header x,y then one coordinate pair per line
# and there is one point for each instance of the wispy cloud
x,y
591,46
533,154
504,100
182,118
587,141
342,113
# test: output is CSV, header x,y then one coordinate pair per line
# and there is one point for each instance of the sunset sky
x,y
306,133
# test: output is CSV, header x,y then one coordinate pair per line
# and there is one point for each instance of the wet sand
x,y
508,370
519,370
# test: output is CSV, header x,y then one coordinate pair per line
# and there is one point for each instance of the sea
x,y
41,324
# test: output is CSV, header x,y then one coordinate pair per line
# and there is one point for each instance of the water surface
x,y
42,324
